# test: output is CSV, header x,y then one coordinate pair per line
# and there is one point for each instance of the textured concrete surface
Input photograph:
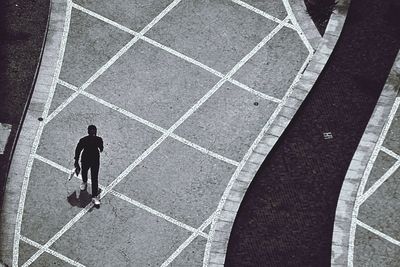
x,y
175,119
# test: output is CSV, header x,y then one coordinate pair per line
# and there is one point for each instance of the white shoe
x,y
96,200
83,186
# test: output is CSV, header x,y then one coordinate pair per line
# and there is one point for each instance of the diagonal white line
x,y
390,153
178,54
35,145
157,142
144,155
378,233
247,156
188,241
365,176
297,26
150,124
125,198
52,252
109,63
377,184
264,14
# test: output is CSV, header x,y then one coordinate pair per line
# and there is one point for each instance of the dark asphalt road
x,y
287,215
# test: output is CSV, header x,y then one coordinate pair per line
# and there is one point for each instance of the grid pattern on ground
x,y
77,91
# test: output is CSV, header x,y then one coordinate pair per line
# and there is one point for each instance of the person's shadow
x,y
80,201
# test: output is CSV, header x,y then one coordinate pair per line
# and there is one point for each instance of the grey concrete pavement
x,y
179,91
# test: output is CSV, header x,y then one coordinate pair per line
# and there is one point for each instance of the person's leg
x,y
94,173
85,168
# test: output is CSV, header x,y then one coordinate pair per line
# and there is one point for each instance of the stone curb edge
x,y
307,25
224,221
29,128
358,165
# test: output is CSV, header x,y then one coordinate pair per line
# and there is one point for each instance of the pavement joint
x,y
52,252
125,198
180,55
149,124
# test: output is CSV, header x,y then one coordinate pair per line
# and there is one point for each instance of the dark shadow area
x,y
287,215
320,12
81,200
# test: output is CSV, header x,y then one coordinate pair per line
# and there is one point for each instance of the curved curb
x,y
30,126
307,25
222,226
359,165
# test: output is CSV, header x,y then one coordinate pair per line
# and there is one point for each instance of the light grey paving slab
x,y
90,44
228,122
392,140
372,250
61,94
134,14
120,234
25,252
153,84
216,33
271,7
382,163
192,255
124,139
49,260
179,181
275,65
48,188
382,209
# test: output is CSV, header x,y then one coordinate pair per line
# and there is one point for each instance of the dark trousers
x,y
94,174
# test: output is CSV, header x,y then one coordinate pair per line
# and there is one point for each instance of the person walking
x,y
91,145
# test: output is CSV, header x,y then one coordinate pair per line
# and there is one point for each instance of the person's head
x,y
92,130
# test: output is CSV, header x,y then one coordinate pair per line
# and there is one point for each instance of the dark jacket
x,y
91,145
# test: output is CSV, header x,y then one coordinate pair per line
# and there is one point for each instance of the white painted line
x,y
188,241
247,156
378,233
180,55
5,130
156,143
125,198
364,180
254,92
377,184
203,150
111,61
84,86
35,145
52,252
264,14
149,124
297,26
390,153
104,19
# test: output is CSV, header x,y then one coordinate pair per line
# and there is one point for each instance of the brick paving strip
x,y
353,192
33,127
233,196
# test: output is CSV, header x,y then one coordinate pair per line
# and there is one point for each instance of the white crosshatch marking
x,y
360,199
52,252
378,233
169,132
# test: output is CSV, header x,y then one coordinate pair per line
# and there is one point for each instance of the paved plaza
x,y
179,91
376,235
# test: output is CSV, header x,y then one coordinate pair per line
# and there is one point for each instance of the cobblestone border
x,y
307,25
358,165
221,228
29,128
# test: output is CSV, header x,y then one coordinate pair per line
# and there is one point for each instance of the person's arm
x,y
78,150
101,144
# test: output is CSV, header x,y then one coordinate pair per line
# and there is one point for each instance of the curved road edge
x,y
30,126
344,217
226,213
